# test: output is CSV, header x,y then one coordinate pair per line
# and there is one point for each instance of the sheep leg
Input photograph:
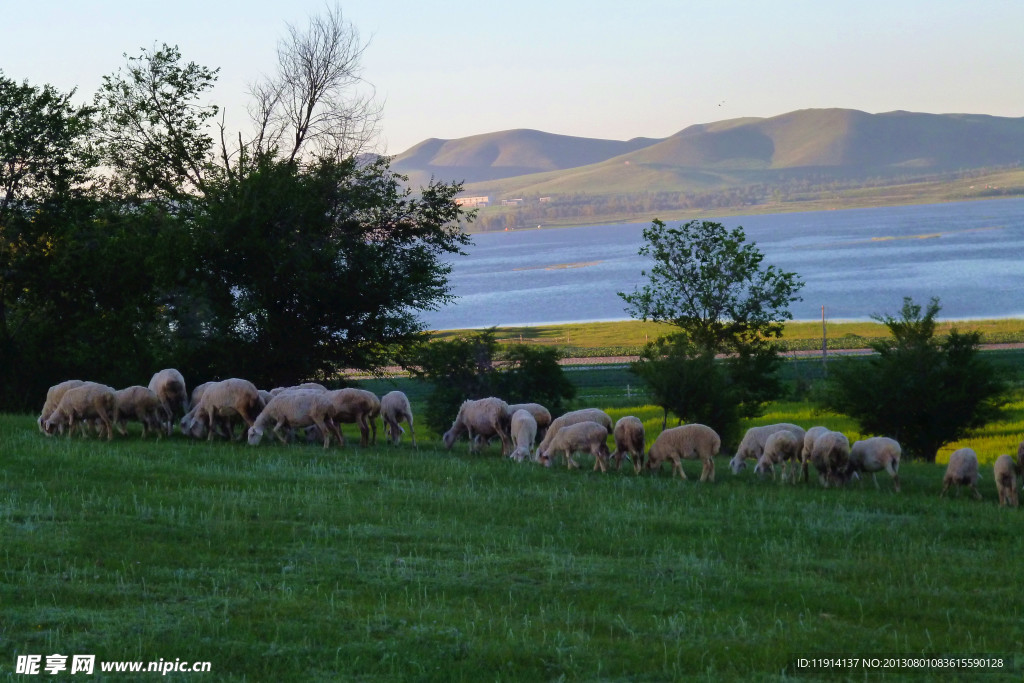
x,y
977,494
364,430
276,431
323,430
677,465
570,464
333,426
708,471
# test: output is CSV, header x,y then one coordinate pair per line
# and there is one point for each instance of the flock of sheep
x,y
214,408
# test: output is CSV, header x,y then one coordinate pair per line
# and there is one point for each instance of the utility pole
x,y
824,343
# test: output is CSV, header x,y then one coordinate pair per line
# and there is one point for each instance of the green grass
x,y
294,563
627,337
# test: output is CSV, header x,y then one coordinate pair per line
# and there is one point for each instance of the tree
x,y
313,104
45,166
154,131
302,270
473,367
920,390
708,282
712,285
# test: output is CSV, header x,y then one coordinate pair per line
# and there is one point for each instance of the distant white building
x,y
472,202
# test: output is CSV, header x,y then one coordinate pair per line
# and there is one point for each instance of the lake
x,y
855,262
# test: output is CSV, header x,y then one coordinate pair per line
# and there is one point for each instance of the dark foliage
x,y
469,368
920,390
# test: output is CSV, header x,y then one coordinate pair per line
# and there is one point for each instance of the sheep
x,y
394,408
583,436
227,399
690,441
169,386
141,404
353,405
293,409
371,417
574,417
1005,474
87,401
53,397
875,454
962,470
781,447
485,417
809,438
541,415
524,432
629,439
830,455
305,385
752,445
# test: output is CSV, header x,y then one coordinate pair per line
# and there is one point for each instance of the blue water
x,y
857,263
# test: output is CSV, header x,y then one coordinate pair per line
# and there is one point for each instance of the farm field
x,y
385,563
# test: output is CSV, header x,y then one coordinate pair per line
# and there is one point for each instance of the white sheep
x,y
809,438
524,433
305,385
87,401
395,408
1005,473
629,439
962,470
353,406
371,417
781,447
876,454
574,417
830,455
226,400
295,409
142,405
690,441
541,415
169,386
586,436
485,417
752,445
53,396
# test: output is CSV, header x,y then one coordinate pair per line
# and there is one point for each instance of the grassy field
x,y
379,564
627,337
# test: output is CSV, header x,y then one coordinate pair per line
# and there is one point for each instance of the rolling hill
x,y
819,144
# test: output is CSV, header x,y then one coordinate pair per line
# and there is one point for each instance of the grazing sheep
x,y
305,385
293,409
485,417
690,441
876,454
353,406
1005,473
831,457
87,401
629,439
53,396
781,447
570,418
169,386
227,399
809,438
581,437
395,408
371,417
962,470
140,404
541,415
524,432
752,445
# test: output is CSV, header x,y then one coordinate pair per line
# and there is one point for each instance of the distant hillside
x,y
506,154
823,144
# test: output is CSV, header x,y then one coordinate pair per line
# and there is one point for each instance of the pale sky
x,y
617,70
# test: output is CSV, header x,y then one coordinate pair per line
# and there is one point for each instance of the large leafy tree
x,y
919,389
713,285
301,270
715,288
